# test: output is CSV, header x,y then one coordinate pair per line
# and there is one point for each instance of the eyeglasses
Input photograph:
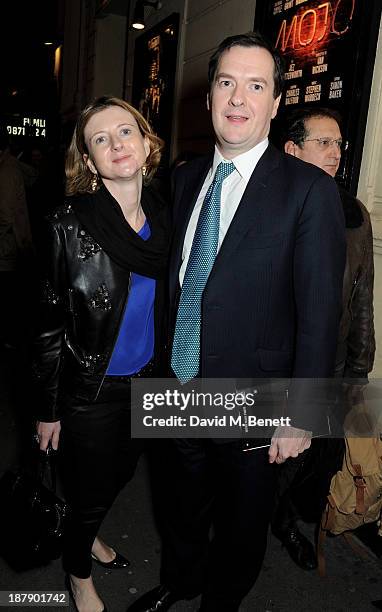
x,y
325,143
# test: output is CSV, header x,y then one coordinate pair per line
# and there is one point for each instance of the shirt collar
x,y
244,163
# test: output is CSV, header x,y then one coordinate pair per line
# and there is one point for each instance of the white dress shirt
x,y
232,191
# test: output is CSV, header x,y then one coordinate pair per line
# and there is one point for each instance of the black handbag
x,y
32,516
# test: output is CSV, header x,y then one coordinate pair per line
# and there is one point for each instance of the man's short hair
x,y
295,127
250,39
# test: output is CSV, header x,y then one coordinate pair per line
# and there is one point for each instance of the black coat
x,y
272,303
84,298
356,341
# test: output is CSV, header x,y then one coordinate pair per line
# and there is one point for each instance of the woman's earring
x,y
144,170
94,182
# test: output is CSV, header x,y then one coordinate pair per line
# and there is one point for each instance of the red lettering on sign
x,y
310,26
334,29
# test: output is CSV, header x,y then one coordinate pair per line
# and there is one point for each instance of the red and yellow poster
x,y
315,37
328,48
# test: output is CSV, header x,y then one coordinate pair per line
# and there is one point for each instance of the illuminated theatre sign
x,y
329,49
312,26
26,125
307,39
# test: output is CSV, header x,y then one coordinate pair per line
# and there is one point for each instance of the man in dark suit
x,y
255,286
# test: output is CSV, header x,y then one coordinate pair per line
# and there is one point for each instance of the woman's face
x,y
117,149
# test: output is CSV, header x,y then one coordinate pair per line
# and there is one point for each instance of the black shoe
x,y
68,586
159,599
118,562
300,549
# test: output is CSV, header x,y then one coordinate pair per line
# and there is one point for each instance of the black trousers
x,y
219,486
98,457
303,484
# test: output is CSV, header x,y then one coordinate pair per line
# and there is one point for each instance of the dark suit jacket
x,y
272,303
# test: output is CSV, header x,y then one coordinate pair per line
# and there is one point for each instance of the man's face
x,y
241,99
321,154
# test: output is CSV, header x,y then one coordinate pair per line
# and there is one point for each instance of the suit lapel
x,y
252,204
251,207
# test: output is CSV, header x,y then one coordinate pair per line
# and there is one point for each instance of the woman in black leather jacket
x,y
101,322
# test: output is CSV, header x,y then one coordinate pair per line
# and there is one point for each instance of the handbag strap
x,y
47,462
360,484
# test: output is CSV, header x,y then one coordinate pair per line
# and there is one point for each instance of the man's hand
x,y
288,442
48,432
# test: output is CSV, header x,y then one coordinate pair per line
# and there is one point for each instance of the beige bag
x,y
355,495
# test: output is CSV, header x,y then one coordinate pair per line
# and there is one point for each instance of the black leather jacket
x,y
84,297
356,345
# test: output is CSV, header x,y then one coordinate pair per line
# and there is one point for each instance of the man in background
x,y
314,135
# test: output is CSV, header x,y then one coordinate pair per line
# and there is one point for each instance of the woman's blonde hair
x,y
78,176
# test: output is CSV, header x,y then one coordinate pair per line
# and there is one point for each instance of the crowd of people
x,y
260,267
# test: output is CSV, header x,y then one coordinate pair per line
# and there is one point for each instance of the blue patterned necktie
x,y
186,346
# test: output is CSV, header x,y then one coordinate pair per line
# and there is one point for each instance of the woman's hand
x,y
48,432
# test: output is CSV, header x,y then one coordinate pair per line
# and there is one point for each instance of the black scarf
x,y
103,218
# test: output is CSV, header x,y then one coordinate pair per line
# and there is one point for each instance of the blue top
x,y
135,342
